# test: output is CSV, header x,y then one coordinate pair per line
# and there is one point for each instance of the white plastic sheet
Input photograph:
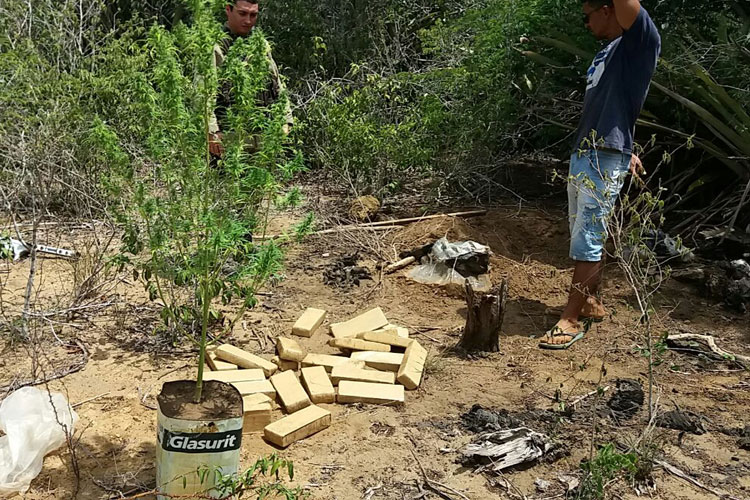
x,y
31,420
434,269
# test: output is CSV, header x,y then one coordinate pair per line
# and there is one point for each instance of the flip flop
x,y
576,337
582,317
593,319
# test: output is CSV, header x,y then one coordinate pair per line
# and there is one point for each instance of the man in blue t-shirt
x,y
616,86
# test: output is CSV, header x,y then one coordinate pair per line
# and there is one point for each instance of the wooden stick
x,y
341,229
90,399
588,395
399,265
398,222
711,343
434,485
683,475
344,229
381,225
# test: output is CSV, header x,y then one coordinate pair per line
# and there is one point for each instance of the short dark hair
x,y
599,3
231,4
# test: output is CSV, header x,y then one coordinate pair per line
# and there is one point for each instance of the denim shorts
x,y
595,180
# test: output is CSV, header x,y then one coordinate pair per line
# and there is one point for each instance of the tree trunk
x,y
484,318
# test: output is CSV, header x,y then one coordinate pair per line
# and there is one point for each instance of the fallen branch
x,y
381,225
371,491
434,485
508,448
342,229
588,395
690,479
399,265
409,220
75,367
744,361
90,399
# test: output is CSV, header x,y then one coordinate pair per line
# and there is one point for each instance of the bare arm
x,y
626,12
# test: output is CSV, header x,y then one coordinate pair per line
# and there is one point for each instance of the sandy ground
x,y
369,451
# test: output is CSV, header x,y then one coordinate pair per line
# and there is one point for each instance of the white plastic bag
x,y
446,261
31,431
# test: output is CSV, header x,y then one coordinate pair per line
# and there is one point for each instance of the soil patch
x,y
220,401
345,273
627,399
679,420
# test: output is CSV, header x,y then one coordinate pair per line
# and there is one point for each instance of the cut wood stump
x,y
484,318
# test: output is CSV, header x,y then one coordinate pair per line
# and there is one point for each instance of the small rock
x,y
542,485
570,482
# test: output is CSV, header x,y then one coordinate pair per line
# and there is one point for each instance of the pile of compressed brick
x,y
377,363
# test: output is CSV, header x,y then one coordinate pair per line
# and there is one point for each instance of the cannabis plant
x,y
188,217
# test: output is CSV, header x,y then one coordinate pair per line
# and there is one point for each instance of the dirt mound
x,y
528,249
427,231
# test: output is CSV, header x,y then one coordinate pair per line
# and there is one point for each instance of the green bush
x,y
188,217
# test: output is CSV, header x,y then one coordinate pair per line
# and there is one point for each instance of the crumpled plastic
x,y
452,263
17,248
33,423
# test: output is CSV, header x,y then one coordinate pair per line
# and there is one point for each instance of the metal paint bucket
x,y
191,455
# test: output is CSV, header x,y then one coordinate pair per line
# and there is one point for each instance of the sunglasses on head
x,y
587,17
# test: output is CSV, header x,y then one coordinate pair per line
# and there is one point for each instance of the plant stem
x,y
650,369
204,286
205,297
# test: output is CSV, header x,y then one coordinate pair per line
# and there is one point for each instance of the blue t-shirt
x,y
616,86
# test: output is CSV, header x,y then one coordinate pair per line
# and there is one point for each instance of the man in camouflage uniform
x,y
241,18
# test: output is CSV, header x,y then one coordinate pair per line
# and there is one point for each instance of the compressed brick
x,y
398,330
216,364
318,385
410,371
290,391
358,345
309,322
386,361
245,375
298,425
366,392
366,322
285,365
289,349
245,359
349,372
256,418
328,361
388,337
256,387
256,399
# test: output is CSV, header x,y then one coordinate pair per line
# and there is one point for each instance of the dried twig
x,y
587,395
434,485
399,265
90,399
711,343
690,479
369,492
75,367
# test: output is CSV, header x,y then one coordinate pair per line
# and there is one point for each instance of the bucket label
x,y
214,442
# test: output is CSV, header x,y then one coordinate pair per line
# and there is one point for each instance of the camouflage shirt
x,y
275,87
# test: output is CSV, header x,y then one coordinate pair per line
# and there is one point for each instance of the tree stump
x,y
484,318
